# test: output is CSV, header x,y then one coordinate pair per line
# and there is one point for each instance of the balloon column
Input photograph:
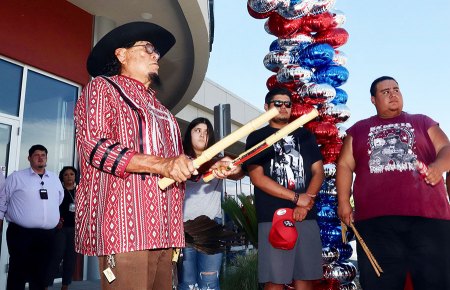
x,y
305,58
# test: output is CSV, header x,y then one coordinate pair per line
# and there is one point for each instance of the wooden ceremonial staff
x,y
369,254
286,130
215,149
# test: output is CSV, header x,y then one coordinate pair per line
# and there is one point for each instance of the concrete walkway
x,y
79,285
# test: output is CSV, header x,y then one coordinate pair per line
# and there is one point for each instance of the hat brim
x,y
103,52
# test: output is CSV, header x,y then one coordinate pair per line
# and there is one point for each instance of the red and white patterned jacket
x,y
116,211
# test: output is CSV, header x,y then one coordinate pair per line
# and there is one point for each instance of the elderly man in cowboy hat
x,y
127,140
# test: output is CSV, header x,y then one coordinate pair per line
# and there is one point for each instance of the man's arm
x,y
177,168
317,178
269,186
220,169
314,186
3,200
442,162
344,180
447,183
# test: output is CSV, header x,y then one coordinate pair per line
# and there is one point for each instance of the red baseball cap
x,y
283,234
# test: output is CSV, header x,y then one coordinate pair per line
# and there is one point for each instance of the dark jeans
x,y
404,244
64,250
29,252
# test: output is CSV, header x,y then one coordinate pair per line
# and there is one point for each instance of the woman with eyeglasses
x,y
198,269
65,236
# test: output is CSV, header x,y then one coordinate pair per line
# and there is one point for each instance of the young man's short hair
x,y
37,147
373,86
277,91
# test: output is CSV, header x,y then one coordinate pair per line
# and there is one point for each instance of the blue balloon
x,y
326,200
275,45
317,54
327,213
345,251
340,98
331,233
334,75
328,187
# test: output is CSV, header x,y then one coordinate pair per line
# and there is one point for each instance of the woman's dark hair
x,y
187,140
114,66
373,86
277,91
64,169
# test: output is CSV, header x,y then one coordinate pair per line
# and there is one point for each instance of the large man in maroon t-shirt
x,y
404,217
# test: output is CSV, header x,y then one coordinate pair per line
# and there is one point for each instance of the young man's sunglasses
x,y
278,103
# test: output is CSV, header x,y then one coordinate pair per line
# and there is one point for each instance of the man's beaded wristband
x,y
296,197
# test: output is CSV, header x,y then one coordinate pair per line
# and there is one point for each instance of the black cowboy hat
x,y
103,52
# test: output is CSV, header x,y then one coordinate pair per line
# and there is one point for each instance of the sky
x,y
407,40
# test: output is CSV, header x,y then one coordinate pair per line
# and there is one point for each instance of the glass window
x,y
10,85
48,120
5,143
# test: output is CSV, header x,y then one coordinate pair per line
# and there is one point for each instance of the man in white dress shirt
x,y
29,201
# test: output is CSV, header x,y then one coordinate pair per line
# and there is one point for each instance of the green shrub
x,y
243,216
241,273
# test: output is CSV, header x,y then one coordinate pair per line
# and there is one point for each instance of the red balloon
x,y
335,37
312,125
327,284
327,118
325,132
292,86
299,109
316,23
272,83
295,98
330,152
257,15
282,27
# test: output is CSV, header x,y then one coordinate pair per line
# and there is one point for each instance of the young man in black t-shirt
x,y
288,175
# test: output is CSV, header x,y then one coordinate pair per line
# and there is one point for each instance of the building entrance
x,y
9,128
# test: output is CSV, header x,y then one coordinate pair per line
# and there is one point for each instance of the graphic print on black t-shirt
x,y
287,165
391,148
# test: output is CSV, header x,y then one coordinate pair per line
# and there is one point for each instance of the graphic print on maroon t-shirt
x,y
391,148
